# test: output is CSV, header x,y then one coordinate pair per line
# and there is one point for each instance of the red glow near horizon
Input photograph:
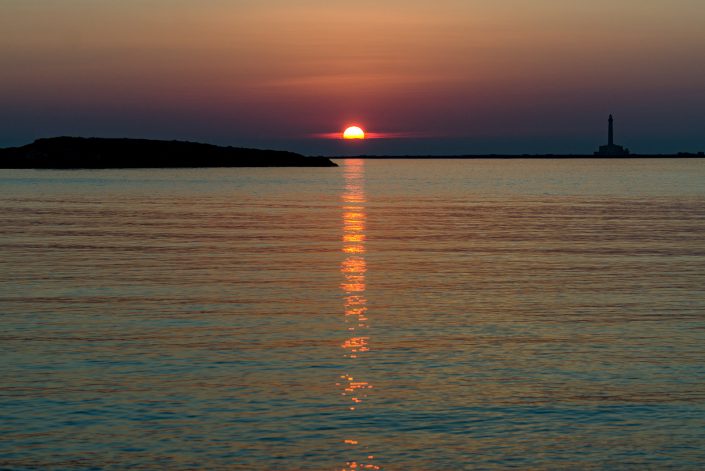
x,y
376,135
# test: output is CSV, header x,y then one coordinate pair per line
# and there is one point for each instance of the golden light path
x,y
353,132
353,269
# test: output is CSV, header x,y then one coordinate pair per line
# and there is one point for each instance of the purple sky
x,y
442,76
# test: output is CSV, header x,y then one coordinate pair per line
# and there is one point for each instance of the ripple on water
x,y
402,314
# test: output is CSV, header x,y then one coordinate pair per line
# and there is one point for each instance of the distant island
x,y
101,153
105,153
679,155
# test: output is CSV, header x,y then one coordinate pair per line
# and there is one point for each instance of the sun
x,y
354,132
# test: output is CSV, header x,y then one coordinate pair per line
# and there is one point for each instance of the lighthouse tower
x,y
610,132
611,149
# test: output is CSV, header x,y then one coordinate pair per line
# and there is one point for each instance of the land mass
x,y
98,153
679,155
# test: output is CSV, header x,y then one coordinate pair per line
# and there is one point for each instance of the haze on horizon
x,y
463,76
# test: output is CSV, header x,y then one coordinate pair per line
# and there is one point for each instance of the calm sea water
x,y
426,315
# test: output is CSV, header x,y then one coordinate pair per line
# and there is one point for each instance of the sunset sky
x,y
442,76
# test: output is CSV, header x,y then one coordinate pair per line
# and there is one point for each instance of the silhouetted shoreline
x,y
680,155
102,153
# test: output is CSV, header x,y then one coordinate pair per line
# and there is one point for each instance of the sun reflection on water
x,y
353,268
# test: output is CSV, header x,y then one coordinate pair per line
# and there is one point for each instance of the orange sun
x,y
354,132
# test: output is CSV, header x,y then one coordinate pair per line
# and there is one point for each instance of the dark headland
x,y
97,153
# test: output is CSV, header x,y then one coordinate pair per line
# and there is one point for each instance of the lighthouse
x,y
611,149
610,132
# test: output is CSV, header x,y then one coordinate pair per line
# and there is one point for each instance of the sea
x,y
385,314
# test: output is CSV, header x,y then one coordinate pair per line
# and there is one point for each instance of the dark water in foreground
x,y
391,314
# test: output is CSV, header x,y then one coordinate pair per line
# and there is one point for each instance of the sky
x,y
427,77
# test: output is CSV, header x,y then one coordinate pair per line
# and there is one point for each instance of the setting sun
x,y
354,132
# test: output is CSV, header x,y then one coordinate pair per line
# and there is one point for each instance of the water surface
x,y
385,314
